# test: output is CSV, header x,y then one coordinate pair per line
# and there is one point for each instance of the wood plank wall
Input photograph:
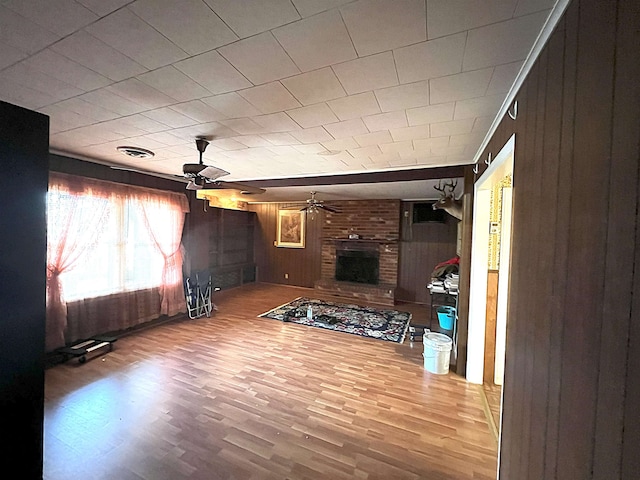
x,y
302,265
427,245
572,386
221,241
422,247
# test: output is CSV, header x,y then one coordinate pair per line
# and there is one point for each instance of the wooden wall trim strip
x,y
618,306
465,272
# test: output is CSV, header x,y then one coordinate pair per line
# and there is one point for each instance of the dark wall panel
x,y
220,241
301,265
24,143
422,247
73,166
572,337
620,301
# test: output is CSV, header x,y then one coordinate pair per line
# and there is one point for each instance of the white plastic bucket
x,y
437,352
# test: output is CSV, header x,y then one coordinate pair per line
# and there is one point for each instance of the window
x,y
106,241
122,258
105,238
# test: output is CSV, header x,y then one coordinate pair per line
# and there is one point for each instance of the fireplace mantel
x,y
362,240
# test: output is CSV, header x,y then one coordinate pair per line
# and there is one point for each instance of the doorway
x,y
490,266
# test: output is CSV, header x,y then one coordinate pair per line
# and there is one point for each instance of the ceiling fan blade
x,y
192,186
212,173
328,209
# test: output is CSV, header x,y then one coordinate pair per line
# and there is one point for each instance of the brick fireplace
x,y
377,225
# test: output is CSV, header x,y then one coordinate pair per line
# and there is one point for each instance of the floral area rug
x,y
389,325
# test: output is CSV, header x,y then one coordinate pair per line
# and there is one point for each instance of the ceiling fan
x,y
205,176
314,206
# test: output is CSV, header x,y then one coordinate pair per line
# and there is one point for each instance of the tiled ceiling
x,y
285,88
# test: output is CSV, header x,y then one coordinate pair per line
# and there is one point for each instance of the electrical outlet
x,y
286,275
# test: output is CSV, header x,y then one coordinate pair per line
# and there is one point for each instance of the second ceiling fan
x,y
314,205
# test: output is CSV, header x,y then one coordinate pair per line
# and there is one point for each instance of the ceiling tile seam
x,y
145,109
42,92
239,92
218,50
84,29
293,4
515,9
124,117
340,81
346,28
464,51
146,70
285,50
426,20
487,88
508,20
300,17
211,94
452,75
64,37
114,11
395,69
286,112
495,67
224,23
194,100
187,54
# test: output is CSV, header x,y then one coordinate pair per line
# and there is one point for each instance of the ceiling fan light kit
x,y
314,206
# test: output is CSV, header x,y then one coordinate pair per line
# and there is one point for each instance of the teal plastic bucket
x,y
446,315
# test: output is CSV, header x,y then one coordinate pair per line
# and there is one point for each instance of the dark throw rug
x,y
389,325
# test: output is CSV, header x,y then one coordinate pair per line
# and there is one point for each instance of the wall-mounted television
x,y
424,213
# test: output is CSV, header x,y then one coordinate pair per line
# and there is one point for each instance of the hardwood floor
x,y
493,397
240,397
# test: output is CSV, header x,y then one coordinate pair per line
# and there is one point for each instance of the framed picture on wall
x,y
290,229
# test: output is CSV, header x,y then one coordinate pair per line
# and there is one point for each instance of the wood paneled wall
x,y
422,247
221,241
24,142
572,383
301,265
419,252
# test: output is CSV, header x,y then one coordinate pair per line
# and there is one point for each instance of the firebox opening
x,y
357,266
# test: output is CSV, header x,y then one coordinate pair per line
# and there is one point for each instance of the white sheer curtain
x,y
106,240
74,226
164,219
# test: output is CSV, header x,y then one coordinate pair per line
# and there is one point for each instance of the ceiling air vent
x,y
136,152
